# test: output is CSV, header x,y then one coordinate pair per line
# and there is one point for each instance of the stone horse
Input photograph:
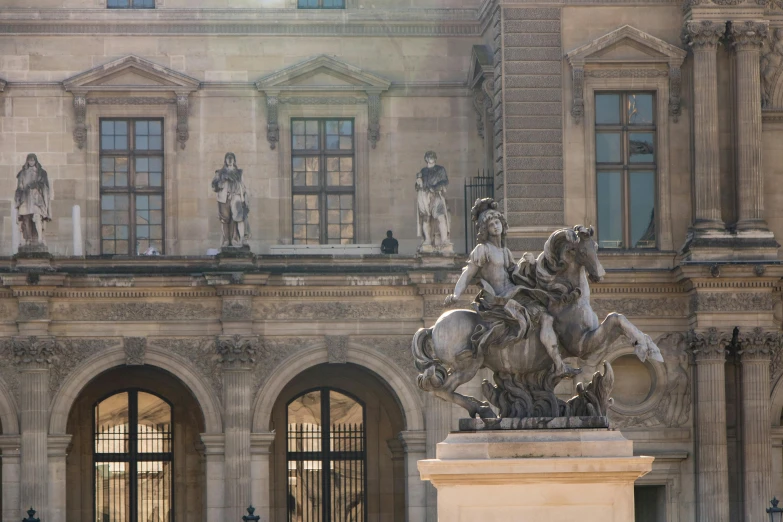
x,y
523,371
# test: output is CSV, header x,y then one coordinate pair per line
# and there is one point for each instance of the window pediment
x,y
326,80
134,77
626,52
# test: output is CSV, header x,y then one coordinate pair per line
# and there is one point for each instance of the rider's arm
x,y
468,273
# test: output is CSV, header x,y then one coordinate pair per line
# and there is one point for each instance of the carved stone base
x,y
710,245
584,475
236,256
533,423
34,256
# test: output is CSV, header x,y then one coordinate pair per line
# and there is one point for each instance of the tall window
x,y
130,4
133,458
323,177
321,4
326,458
131,186
625,169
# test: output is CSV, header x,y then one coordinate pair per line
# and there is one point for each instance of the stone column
x,y
756,433
237,356
9,446
261,473
214,451
712,471
703,37
415,445
438,419
58,447
746,38
33,356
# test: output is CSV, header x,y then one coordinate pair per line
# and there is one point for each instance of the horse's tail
x,y
433,373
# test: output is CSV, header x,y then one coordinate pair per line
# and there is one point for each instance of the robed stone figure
x,y
232,202
433,219
33,200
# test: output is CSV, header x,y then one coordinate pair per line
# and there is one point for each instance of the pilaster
x,y
237,356
58,451
414,444
11,462
703,37
755,356
712,469
261,473
214,452
33,355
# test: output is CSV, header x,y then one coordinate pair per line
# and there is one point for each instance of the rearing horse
x,y
447,358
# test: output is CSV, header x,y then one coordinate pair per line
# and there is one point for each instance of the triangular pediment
x,y
131,73
626,44
322,73
481,65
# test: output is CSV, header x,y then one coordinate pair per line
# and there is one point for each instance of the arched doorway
x,y
135,449
344,419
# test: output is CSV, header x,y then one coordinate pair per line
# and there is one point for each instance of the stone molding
x,y
130,100
135,349
33,352
236,352
709,345
586,62
337,310
748,34
290,86
33,310
641,306
135,311
157,79
732,301
703,34
413,441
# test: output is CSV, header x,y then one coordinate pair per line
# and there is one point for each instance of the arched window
x,y
133,457
326,433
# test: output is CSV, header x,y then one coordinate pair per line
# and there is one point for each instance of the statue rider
x,y
511,310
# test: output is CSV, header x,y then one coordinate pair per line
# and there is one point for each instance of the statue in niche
x,y
771,62
433,220
33,201
232,203
527,317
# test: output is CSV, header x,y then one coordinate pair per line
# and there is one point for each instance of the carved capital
x,y
578,103
413,441
709,345
758,344
182,119
80,118
33,352
703,34
337,349
374,113
236,351
272,128
748,35
135,349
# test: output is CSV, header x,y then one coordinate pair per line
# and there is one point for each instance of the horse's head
x,y
586,253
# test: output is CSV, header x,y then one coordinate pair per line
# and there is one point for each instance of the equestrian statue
x,y
527,317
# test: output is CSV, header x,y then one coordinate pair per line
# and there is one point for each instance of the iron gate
x,y
480,186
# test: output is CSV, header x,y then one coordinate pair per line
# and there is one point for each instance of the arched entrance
x,y
134,455
344,419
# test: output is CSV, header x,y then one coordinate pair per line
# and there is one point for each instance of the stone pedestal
x,y
552,475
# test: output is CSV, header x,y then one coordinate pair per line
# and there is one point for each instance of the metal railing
x,y
480,186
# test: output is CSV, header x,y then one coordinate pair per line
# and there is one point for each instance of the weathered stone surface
x,y
533,423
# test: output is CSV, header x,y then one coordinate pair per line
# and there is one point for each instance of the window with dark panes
x,y
323,180
625,158
130,4
133,455
321,4
131,186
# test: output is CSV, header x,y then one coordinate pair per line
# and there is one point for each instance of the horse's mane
x,y
550,263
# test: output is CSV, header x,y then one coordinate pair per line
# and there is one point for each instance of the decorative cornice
x,y
321,100
748,34
236,351
130,100
703,34
709,345
626,73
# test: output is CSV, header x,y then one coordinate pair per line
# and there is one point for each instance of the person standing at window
x,y
389,245
32,199
232,202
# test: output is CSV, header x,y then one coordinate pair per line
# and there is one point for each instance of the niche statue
x,y
32,200
433,220
232,203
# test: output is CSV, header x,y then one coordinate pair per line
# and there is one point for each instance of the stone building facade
x,y
658,123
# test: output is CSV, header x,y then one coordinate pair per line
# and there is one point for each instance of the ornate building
x,y
193,383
